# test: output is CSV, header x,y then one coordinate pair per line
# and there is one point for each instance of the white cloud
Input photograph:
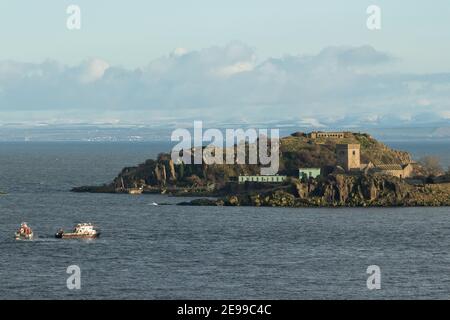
x,y
92,70
445,114
233,69
178,52
338,85
423,102
311,122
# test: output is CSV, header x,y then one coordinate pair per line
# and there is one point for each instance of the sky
x,y
143,61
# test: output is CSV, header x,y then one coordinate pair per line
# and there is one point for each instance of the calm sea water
x,y
159,252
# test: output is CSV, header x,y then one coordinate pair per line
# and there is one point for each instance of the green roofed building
x,y
308,173
266,179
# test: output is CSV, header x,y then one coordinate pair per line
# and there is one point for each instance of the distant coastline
x,y
129,132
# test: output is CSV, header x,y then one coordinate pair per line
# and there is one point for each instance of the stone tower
x,y
348,156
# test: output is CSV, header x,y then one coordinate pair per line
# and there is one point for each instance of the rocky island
x,y
315,169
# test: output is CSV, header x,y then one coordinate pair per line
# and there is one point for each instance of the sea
x,y
177,252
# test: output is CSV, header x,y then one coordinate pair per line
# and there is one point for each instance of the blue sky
x,y
131,33
162,54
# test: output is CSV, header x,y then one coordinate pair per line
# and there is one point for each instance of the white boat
x,y
81,231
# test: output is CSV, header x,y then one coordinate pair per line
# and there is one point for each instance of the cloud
x,y
178,52
338,85
234,69
91,70
348,56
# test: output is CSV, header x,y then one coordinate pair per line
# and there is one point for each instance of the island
x,y
316,169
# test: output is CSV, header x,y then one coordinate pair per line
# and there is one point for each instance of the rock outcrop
x,y
343,191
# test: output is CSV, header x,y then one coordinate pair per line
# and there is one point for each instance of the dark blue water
x,y
155,252
420,149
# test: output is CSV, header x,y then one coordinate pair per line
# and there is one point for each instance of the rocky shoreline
x,y
340,191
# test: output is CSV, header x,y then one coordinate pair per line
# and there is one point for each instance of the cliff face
x,y
342,190
162,174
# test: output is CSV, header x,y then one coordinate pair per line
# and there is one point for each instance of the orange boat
x,y
24,232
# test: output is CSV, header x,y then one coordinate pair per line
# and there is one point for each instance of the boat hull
x,y
18,236
76,236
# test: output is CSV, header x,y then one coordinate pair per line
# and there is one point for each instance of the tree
x,y
432,163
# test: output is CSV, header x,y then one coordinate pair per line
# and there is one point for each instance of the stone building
x,y
348,156
397,170
266,179
321,134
